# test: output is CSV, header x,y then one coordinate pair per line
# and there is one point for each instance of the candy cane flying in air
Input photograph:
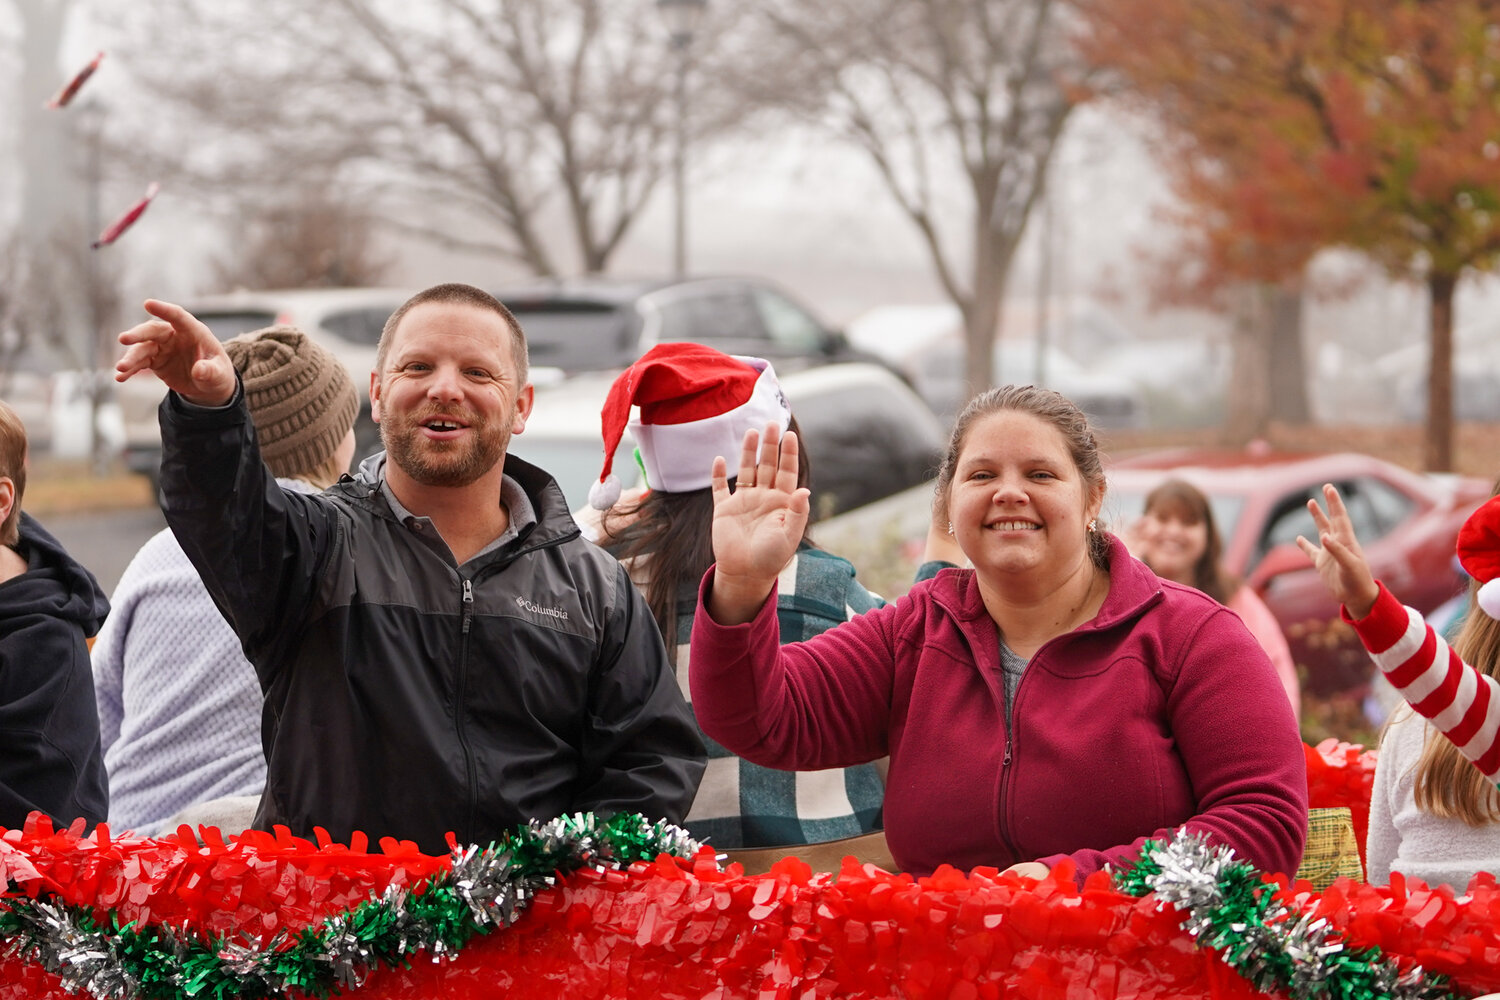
x,y
127,220
71,88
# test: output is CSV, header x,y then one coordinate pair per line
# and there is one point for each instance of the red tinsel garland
x,y
250,886
686,929
675,930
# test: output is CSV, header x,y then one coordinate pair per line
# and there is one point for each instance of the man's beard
x,y
444,463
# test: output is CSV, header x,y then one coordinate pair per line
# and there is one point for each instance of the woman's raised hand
x,y
757,528
182,352
1338,557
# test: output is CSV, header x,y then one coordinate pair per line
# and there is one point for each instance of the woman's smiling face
x,y
1176,539
1017,501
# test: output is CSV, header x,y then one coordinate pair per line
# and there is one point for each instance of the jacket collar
x,y
554,519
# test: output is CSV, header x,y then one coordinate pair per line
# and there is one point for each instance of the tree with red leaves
x,y
1368,124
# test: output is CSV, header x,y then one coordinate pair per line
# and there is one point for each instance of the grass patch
x,y
55,486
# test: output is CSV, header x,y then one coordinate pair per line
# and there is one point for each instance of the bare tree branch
x,y
556,113
947,98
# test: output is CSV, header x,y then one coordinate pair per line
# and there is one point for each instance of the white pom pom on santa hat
x,y
605,493
1489,598
1479,554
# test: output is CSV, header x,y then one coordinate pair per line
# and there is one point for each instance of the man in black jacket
x,y
50,755
439,649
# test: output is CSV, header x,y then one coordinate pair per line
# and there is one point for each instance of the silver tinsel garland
x,y
1224,905
1272,945
490,888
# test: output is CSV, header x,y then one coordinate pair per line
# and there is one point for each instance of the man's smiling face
x,y
447,397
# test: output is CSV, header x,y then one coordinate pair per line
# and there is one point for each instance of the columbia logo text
x,y
537,609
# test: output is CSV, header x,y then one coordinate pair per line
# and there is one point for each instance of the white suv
x,y
347,321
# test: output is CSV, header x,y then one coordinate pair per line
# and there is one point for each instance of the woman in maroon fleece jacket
x,y
1055,701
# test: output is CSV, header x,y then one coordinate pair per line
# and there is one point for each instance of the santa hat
x,y
695,404
1479,553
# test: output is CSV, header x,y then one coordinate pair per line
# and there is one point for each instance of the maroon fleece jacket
x,y
1161,712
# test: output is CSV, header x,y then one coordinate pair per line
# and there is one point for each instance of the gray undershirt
x,y
512,497
1011,669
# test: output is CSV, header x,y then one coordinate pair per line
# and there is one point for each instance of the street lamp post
x,y
681,17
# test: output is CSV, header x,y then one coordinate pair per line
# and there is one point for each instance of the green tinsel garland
x,y
483,890
1226,906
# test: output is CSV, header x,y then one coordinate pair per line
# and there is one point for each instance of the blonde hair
x,y
328,472
1448,785
12,467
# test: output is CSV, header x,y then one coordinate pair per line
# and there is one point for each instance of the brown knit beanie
x,y
301,398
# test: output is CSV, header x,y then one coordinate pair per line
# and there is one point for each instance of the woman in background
x,y
1177,537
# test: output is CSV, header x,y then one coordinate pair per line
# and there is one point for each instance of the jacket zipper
x,y
467,603
1004,826
1005,763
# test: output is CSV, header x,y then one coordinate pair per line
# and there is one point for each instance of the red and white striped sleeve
x,y
1461,702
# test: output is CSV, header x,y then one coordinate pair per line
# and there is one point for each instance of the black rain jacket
x,y
405,695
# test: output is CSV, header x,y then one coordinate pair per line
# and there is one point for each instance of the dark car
x,y
602,324
1407,523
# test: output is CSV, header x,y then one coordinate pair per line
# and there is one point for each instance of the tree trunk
x,y
1249,391
57,191
979,369
1437,450
50,182
1287,376
981,331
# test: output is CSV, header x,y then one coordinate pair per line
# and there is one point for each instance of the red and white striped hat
x,y
695,404
1479,553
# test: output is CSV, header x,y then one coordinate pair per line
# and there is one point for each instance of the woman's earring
x,y
1093,524
950,527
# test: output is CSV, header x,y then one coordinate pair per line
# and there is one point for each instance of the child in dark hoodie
x,y
50,757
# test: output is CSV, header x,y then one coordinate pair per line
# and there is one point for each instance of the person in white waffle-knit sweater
x,y
179,705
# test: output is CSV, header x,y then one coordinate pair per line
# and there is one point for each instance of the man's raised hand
x,y
182,352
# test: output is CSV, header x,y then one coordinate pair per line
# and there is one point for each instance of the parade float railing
x,y
565,909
